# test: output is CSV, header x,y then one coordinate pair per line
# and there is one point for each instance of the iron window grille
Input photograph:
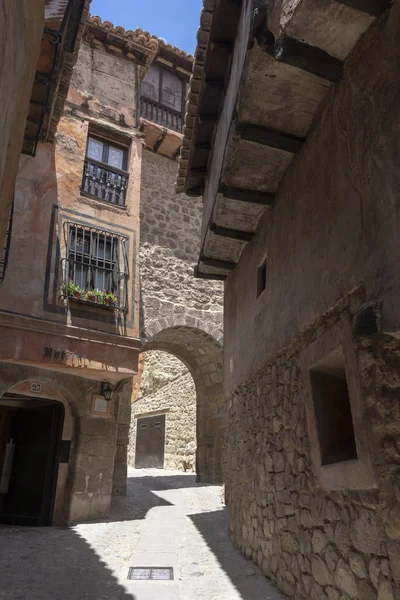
x,y
6,245
96,267
105,175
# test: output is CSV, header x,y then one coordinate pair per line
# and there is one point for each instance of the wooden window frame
x,y
106,152
102,166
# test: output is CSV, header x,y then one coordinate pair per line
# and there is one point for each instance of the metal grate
x,y
95,261
151,573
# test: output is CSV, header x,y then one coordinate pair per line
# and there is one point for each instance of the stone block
x,y
99,506
320,572
319,541
79,508
345,579
393,549
357,565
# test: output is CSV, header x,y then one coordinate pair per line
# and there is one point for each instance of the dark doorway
x,y
150,437
30,440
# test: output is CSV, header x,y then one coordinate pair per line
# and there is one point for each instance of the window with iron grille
x,y
105,175
96,266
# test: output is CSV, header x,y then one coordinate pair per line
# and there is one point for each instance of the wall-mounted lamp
x,y
106,390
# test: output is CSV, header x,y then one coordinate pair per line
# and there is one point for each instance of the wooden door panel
x,y
150,438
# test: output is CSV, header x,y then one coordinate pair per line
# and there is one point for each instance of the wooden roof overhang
x,y
64,22
261,74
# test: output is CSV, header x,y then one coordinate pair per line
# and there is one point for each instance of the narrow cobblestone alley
x,y
166,520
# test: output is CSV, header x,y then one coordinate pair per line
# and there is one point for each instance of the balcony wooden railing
x,y
104,182
162,115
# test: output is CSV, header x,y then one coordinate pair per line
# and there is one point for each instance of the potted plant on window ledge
x,y
72,290
110,298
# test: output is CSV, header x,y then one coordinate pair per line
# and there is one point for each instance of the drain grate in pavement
x,y
151,573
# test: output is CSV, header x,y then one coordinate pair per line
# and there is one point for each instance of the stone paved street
x,y
166,520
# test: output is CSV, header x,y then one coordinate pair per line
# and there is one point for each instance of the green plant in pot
x,y
110,298
99,296
71,289
91,295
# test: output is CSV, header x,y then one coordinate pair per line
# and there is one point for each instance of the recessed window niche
x,y
332,408
335,411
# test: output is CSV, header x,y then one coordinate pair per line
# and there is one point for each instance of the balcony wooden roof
x,y
262,73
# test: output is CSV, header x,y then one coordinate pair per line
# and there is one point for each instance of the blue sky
x,y
174,20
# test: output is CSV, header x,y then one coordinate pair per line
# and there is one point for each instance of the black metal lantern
x,y
106,390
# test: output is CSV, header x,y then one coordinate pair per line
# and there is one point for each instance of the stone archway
x,y
201,351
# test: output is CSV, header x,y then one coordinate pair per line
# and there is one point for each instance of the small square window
x,y
332,409
339,445
261,278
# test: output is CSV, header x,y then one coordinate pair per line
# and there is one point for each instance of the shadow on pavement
x,y
44,563
140,497
213,527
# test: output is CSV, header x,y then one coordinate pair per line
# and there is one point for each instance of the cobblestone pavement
x,y
166,520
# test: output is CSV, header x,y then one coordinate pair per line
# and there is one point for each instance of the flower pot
x,y
77,295
91,298
108,301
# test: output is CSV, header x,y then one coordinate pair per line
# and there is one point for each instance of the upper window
x,y
163,97
105,174
96,269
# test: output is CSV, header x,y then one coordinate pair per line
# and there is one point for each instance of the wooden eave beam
x,y
244,195
217,263
234,234
268,137
213,276
375,8
307,58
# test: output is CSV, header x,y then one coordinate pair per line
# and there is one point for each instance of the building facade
x,y
75,311
298,106
69,301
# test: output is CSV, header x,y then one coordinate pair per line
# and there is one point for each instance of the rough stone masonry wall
x,y
169,246
167,387
313,544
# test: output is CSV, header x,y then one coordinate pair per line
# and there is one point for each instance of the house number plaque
x,y
36,388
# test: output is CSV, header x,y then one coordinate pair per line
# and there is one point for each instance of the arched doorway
x,y
163,418
201,352
32,480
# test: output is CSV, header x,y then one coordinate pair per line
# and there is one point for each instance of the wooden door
x,y
37,435
150,438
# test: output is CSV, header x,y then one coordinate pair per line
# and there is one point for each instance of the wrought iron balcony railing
x,y
160,114
104,182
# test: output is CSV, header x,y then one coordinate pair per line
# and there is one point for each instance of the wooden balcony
x,y
160,114
103,182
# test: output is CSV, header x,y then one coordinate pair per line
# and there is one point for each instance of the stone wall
x,y
169,246
179,314
312,543
335,220
167,387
